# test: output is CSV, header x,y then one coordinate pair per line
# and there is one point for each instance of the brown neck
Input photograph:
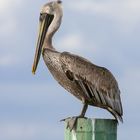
x,y
51,30
48,43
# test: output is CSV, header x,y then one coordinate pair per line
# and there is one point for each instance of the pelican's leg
x,y
83,112
72,121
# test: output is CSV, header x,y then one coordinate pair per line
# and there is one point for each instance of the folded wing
x,y
97,83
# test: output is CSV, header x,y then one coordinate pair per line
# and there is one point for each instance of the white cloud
x,y
7,60
14,131
8,26
8,23
77,43
6,6
125,12
121,7
130,81
70,42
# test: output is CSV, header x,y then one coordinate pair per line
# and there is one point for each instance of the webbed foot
x,y
72,122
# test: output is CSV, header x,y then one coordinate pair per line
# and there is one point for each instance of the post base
x,y
92,129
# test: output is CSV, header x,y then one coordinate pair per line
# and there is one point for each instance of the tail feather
x,y
115,114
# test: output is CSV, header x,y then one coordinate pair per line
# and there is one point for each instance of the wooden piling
x,y
92,129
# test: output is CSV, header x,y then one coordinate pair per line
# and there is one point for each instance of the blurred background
x,y
106,32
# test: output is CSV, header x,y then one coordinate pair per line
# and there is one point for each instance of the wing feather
x,y
97,82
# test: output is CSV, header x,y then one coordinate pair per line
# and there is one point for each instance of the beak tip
x,y
33,72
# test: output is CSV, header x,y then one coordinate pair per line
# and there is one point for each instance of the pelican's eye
x,y
59,1
42,16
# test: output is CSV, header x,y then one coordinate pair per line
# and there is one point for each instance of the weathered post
x,y
92,129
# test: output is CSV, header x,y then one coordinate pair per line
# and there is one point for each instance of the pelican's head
x,y
52,7
50,20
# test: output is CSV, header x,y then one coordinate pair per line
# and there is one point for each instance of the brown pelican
x,y
92,84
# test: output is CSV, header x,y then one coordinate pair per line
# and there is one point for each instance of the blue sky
x,y
105,32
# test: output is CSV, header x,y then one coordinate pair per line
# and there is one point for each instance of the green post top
x,y
92,129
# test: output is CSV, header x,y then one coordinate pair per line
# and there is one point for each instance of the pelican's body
x,y
91,84
52,60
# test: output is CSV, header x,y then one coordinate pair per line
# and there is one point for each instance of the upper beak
x,y
44,23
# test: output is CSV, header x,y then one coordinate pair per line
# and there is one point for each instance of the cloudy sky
x,y
106,32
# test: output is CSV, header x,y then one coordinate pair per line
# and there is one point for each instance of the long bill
x,y
45,21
